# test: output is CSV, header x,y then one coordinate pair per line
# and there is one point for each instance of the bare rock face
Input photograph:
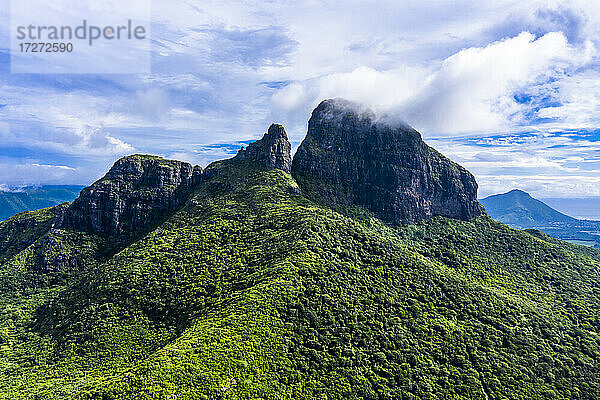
x,y
272,151
136,191
350,158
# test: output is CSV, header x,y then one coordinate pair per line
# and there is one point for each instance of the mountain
x,y
34,198
349,157
517,208
521,211
252,284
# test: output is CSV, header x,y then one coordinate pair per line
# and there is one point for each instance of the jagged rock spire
x,y
273,150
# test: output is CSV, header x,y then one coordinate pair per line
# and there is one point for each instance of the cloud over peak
x,y
472,91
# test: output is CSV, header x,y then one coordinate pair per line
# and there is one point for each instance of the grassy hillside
x,y
252,291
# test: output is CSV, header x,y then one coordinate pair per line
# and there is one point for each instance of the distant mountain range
x,y
34,198
519,210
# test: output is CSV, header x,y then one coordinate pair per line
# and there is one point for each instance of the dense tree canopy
x,y
253,291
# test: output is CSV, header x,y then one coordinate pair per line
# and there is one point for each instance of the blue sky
x,y
509,89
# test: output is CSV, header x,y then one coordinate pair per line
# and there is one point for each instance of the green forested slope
x,y
253,291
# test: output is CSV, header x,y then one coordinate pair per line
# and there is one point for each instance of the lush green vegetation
x,y
253,291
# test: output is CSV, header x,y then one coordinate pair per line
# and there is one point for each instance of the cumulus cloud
x,y
97,140
542,163
577,101
381,90
472,91
20,174
87,140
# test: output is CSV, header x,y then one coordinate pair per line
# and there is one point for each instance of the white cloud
x,y
471,91
540,186
48,166
544,164
579,101
34,173
83,140
224,70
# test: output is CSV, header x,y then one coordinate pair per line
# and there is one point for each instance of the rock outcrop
x,y
135,192
349,157
273,151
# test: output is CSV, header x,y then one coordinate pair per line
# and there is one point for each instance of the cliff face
x,y
272,151
347,158
134,193
350,158
139,189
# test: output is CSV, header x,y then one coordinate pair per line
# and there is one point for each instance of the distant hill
x,y
34,198
519,210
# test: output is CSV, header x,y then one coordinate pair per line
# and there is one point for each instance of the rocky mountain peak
x,y
136,191
337,110
273,150
350,157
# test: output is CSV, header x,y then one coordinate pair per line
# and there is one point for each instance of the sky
x,y
508,89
